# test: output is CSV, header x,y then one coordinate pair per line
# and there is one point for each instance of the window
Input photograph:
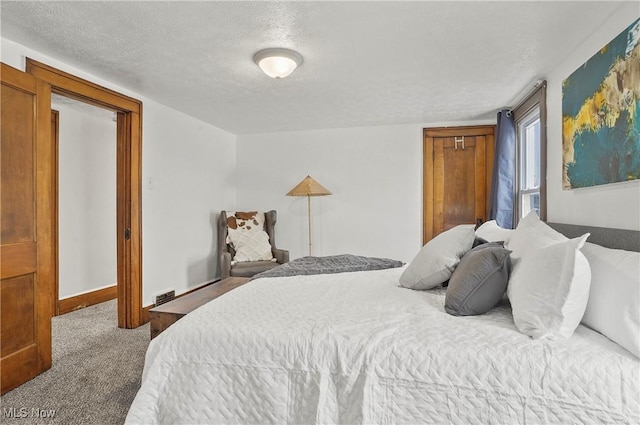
x,y
528,139
530,121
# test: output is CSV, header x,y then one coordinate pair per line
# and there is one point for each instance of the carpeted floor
x,y
95,374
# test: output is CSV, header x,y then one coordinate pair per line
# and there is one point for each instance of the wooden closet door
x,y
26,253
457,177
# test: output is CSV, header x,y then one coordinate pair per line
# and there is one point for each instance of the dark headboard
x,y
611,238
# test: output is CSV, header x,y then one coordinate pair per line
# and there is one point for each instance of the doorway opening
x,y
84,151
128,113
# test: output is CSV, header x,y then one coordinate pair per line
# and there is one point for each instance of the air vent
x,y
165,297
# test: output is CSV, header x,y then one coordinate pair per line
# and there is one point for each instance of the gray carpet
x,y
95,374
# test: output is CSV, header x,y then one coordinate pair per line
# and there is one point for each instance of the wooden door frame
x,y
128,181
428,178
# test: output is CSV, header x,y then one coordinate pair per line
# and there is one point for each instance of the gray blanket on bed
x,y
331,264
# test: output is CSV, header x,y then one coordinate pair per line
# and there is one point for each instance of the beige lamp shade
x,y
309,187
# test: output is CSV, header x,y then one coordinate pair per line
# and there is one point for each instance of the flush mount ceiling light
x,y
277,62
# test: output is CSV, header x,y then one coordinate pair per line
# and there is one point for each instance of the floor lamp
x,y
309,187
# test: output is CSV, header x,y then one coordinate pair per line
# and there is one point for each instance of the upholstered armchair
x,y
226,251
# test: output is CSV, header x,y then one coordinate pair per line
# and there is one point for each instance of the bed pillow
x,y
549,289
251,246
245,233
613,308
479,281
436,260
491,232
532,233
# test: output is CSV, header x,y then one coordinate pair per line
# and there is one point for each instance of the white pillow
x,y
251,246
613,308
549,290
438,258
490,231
532,233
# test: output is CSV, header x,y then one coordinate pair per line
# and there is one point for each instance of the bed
x,y
357,348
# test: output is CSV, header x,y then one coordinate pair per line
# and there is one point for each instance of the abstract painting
x,y
601,115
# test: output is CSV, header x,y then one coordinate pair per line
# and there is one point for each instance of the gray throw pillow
x,y
479,281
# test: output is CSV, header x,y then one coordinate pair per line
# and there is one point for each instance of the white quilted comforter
x,y
355,348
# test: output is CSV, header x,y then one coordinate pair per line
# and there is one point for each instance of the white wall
x,y
375,174
614,205
87,199
189,177
188,170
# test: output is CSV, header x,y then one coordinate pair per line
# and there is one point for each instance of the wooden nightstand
x,y
167,314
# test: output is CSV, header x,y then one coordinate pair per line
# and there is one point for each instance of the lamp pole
x,y
309,214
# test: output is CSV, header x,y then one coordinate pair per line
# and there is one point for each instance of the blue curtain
x,y
504,169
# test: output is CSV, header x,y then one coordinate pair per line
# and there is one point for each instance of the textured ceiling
x,y
365,63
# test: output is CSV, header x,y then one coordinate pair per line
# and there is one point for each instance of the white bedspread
x,y
356,348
